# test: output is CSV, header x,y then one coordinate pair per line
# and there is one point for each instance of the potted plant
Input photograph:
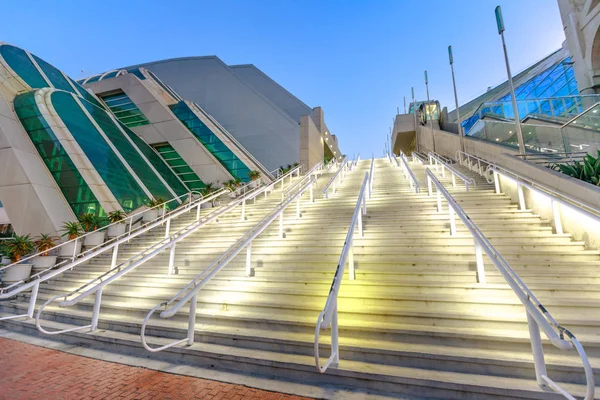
x,y
5,253
118,227
230,184
18,247
71,230
90,223
43,245
206,191
153,212
254,175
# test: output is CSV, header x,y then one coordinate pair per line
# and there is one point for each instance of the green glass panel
x,y
85,94
18,60
61,167
118,179
158,163
125,109
179,166
211,141
54,75
139,164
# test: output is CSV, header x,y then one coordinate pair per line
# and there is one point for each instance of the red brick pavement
x,y
32,372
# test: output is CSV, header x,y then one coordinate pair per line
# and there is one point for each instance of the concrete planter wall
x,y
116,230
94,239
67,250
42,263
17,273
150,215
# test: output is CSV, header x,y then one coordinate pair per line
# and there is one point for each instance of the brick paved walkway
x,y
32,372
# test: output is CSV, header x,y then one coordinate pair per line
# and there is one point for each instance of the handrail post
x,y
521,197
281,225
244,209
351,262
312,199
335,348
439,200
537,350
249,259
167,228
453,180
557,220
115,253
172,259
429,189
298,207
452,220
192,320
480,268
198,212
33,300
96,310
130,225
496,182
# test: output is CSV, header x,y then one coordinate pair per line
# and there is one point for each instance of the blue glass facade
x,y
552,92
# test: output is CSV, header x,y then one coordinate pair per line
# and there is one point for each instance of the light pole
x,y
404,104
460,130
427,107
500,23
412,89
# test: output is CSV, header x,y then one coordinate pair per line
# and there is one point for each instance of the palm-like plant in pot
x,y
71,231
18,247
206,191
118,224
43,245
154,209
5,253
90,223
254,175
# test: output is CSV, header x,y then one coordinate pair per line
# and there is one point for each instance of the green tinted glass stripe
x,y
85,94
128,151
211,142
18,60
110,75
157,162
61,167
54,75
125,110
183,171
118,179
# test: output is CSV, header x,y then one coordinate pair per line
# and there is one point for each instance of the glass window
x,y
76,191
183,171
118,179
19,61
125,110
54,75
211,142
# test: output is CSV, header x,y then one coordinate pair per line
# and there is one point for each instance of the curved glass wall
x,y
54,75
169,175
114,173
19,61
65,173
128,151
210,141
125,110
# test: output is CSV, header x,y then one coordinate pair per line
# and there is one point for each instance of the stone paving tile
x,y
32,372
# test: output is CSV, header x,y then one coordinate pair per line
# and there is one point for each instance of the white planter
x,y
17,273
68,249
208,204
150,215
116,230
94,239
5,261
42,263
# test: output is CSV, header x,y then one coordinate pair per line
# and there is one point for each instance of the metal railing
x,y
538,316
96,285
417,157
337,178
329,316
556,198
190,292
34,280
437,161
408,174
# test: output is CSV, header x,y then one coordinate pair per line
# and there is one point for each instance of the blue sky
x,y
356,59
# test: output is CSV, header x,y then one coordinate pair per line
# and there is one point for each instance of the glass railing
x,y
561,107
580,134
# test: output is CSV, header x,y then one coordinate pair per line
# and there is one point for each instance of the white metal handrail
x,y
329,316
371,172
521,181
538,316
436,161
417,157
408,173
474,164
115,272
189,293
131,218
337,178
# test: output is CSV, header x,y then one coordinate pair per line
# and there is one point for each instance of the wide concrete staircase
x,y
415,322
